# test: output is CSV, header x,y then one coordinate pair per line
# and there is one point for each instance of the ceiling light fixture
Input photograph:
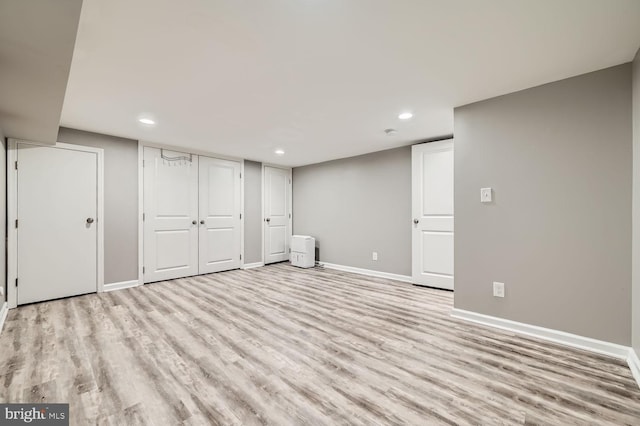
x,y
390,132
279,152
405,116
146,121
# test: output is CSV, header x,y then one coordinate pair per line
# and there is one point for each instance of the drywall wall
x,y
558,234
120,201
635,298
252,212
37,39
3,215
356,206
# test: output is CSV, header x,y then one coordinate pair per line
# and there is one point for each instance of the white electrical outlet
x,y
485,195
374,255
498,289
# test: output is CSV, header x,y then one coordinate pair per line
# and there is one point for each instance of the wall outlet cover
x,y
374,255
485,195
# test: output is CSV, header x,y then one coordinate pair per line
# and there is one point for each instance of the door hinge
x,y
143,216
142,163
16,165
240,257
289,215
16,282
240,175
143,268
289,181
240,215
16,223
289,250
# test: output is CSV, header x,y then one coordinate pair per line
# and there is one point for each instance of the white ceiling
x,y
322,79
36,45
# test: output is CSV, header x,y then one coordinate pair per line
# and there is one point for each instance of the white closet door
x,y
220,204
432,233
58,228
171,215
277,214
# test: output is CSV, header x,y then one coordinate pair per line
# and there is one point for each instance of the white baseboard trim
x,y
573,340
369,272
252,265
634,365
4,310
121,285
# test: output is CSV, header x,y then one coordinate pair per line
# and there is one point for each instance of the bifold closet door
x,y
220,208
170,215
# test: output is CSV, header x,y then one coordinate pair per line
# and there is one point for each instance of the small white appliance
x,y
303,251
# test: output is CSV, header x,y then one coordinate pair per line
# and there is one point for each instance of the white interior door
x,y
170,214
57,229
432,234
220,208
277,214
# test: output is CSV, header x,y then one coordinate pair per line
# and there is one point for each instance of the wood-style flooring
x,y
284,346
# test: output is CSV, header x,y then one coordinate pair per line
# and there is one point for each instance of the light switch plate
x,y
485,195
498,289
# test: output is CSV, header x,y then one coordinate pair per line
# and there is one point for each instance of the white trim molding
x,y
252,265
121,285
368,272
4,310
634,365
573,340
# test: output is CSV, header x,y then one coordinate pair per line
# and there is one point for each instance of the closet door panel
x,y
170,210
220,208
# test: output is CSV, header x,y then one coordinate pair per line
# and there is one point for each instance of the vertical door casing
x,y
432,227
57,211
170,210
220,207
277,214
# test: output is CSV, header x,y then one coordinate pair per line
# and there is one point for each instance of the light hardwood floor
x,y
279,345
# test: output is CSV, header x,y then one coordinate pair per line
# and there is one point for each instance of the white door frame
x,y
141,146
12,213
290,233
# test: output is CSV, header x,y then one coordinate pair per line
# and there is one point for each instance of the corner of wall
x,y
635,276
3,216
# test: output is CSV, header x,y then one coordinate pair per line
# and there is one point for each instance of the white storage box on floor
x,y
303,251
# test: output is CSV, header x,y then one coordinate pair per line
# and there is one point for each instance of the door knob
x,y
416,221
194,222
268,219
202,222
89,220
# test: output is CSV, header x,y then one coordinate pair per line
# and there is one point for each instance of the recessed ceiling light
x,y
146,121
405,116
279,152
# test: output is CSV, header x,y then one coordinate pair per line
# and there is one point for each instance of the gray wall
x,y
355,206
252,212
558,234
636,206
3,215
37,39
120,201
